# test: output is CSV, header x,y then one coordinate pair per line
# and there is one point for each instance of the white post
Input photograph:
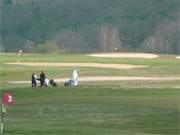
x,y
2,125
2,113
2,121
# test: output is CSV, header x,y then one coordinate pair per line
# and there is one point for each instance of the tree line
x,y
90,25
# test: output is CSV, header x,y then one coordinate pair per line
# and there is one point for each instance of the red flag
x,y
8,99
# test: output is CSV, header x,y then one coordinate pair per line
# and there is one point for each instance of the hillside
x,y
91,25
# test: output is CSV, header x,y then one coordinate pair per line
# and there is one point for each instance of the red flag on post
x,y
8,99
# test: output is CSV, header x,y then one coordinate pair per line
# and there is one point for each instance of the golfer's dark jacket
x,y
33,78
42,76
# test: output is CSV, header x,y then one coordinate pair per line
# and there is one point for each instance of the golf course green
x,y
92,108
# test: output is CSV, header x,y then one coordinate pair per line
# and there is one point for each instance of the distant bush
x,y
156,45
30,47
48,47
2,48
164,40
71,41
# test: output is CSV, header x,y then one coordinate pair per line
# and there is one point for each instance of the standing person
x,y
19,55
33,79
74,78
42,78
20,52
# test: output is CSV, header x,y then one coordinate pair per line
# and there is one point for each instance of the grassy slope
x,y
89,110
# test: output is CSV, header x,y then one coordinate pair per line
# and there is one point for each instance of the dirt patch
x,y
126,55
109,78
95,65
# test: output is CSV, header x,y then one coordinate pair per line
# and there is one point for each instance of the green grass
x,y
165,66
96,108
89,110
163,60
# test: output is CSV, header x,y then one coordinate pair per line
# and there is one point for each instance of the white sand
x,y
95,65
126,55
178,57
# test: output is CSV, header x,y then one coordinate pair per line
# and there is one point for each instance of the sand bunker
x,y
126,55
95,65
178,57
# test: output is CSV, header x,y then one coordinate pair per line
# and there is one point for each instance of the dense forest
x,y
47,26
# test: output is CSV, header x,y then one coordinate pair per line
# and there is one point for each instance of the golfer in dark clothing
x,y
33,79
42,78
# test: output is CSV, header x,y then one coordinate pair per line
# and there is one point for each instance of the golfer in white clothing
x,y
74,78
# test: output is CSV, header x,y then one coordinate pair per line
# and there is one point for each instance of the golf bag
x,y
68,83
53,83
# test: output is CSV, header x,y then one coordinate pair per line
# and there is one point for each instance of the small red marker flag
x,y
8,99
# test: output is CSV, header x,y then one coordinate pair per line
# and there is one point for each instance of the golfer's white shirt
x,y
47,82
35,76
74,78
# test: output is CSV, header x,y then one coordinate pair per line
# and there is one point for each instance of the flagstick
x,y
2,120
2,114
